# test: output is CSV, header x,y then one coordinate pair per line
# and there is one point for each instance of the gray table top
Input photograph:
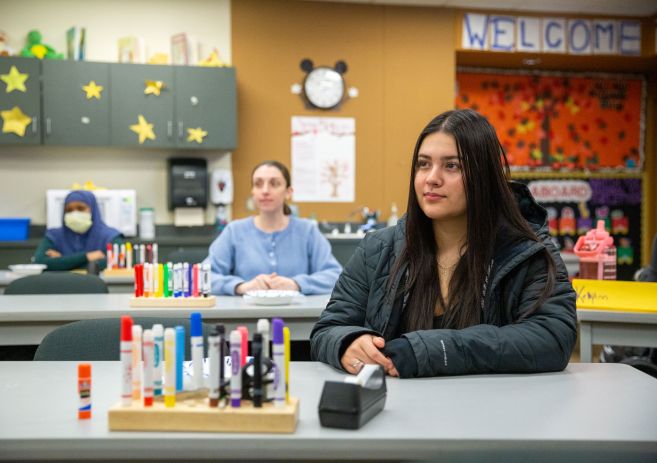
x,y
591,412
616,316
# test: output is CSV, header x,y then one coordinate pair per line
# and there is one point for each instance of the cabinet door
x,y
129,101
20,110
206,102
75,107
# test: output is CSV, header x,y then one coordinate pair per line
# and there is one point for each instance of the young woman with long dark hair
x,y
468,281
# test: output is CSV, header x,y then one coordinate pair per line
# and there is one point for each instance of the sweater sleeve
x,y
222,258
343,320
68,262
324,268
542,341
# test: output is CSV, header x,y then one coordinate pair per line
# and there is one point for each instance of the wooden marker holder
x,y
195,415
119,272
173,302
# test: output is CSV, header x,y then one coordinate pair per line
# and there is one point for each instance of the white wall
x,y
27,172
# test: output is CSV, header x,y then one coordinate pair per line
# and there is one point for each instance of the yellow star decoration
x,y
92,90
143,129
14,80
154,87
212,60
15,121
197,135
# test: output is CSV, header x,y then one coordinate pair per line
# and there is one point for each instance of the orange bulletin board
x,y
560,122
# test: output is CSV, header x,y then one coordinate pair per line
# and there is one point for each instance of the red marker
x,y
84,389
139,280
245,343
110,258
126,360
195,278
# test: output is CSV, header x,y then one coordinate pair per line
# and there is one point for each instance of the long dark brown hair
x,y
286,175
490,203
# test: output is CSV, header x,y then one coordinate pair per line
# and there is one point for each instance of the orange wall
x,y
401,59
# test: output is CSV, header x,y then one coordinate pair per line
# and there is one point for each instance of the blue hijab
x,y
67,241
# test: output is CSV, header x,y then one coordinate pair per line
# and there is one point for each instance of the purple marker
x,y
278,351
235,364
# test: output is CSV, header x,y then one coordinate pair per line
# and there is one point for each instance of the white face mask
x,y
78,221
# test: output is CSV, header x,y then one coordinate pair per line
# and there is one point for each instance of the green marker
x,y
166,280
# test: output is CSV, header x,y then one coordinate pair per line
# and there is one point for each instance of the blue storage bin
x,y
14,229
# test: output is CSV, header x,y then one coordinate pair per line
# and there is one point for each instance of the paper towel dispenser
x,y
188,182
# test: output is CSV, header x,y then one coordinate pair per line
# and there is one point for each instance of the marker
x,y
196,341
122,256
170,367
108,251
213,354
139,280
195,279
148,279
236,377
170,278
126,360
206,285
186,274
180,356
84,390
156,291
154,250
158,357
256,347
149,253
165,280
136,362
149,360
160,273
142,254
115,256
177,279
221,329
128,254
136,248
286,342
263,328
245,343
278,350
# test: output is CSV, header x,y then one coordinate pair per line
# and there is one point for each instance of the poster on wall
x,y
575,206
323,159
560,121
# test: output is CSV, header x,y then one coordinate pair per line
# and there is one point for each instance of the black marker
x,y
257,369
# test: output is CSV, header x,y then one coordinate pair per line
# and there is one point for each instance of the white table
x,y
115,284
26,319
615,327
587,413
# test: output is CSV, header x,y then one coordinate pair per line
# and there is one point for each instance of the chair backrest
x,y
57,283
193,256
98,339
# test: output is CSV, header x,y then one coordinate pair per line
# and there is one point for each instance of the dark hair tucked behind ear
x,y
286,175
490,205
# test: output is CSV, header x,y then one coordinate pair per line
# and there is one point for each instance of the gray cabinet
x,y
129,101
20,101
206,103
75,108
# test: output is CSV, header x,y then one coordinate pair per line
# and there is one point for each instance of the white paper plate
x,y
27,269
271,296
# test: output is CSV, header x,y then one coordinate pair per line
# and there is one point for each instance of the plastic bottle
x,y
392,220
146,223
597,254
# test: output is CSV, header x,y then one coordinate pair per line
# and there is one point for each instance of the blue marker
x,y
187,279
158,333
180,356
177,280
196,338
236,371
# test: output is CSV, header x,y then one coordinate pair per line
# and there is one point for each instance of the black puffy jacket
x,y
540,342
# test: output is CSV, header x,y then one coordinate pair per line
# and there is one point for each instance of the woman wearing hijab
x,y
82,238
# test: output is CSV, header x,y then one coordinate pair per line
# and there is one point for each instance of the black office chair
x,y
57,283
99,339
192,256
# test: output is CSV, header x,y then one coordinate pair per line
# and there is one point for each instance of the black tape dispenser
x,y
352,403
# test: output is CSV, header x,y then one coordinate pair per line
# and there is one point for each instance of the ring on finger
x,y
355,363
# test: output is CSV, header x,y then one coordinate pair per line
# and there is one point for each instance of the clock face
x,y
324,87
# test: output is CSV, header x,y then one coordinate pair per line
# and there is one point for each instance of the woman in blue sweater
x,y
272,250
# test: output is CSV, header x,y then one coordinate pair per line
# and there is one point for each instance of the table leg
x,y
585,342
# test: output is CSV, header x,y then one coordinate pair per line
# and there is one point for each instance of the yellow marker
x,y
128,254
286,344
160,283
624,296
169,367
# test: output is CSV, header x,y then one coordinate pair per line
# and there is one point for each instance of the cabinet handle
x,y
180,130
35,121
48,126
169,129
